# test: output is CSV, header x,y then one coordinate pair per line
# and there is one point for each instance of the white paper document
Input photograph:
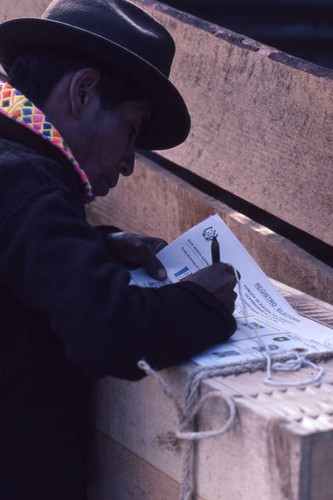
x,y
280,328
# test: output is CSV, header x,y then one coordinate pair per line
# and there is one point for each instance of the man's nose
x,y
127,164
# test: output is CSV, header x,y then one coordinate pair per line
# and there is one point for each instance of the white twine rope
x,y
293,363
186,413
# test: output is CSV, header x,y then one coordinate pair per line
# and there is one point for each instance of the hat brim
x,y
170,121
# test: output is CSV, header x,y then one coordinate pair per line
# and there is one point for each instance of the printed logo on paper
x,y
209,233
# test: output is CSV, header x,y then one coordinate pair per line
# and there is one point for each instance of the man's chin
x,y
104,188
101,190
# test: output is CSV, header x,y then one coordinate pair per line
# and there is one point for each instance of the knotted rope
x,y
193,404
186,412
186,416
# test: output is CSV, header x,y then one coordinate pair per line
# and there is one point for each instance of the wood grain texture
x,y
260,129
272,451
307,306
116,473
321,467
10,9
154,201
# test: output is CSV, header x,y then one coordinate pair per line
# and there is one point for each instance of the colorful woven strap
x,y
16,106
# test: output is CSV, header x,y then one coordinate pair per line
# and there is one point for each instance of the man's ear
x,y
82,90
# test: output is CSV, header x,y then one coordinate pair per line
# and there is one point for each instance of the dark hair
x,y
36,73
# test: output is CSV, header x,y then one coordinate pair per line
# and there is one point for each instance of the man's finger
x,y
156,244
151,264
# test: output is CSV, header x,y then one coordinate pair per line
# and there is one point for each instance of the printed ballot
x,y
279,326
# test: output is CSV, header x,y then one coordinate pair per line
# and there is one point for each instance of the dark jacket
x,y
67,314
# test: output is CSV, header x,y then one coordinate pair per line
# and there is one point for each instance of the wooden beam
x,y
10,9
117,473
261,122
321,467
154,201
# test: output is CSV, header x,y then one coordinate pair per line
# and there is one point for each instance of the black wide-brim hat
x,y
120,34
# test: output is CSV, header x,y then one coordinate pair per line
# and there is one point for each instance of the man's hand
x,y
134,250
218,279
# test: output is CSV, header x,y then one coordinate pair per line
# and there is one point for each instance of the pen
x,y
215,248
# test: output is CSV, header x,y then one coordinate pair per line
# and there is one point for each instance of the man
x,y
87,83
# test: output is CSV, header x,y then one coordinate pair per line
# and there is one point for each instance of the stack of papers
x,y
280,328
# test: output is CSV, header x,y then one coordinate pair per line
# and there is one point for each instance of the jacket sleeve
x,y
59,265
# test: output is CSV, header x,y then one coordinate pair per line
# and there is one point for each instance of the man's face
x,y
108,143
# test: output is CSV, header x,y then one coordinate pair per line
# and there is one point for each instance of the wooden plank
x,y
321,468
116,473
307,306
114,417
261,129
10,9
154,201
271,451
272,446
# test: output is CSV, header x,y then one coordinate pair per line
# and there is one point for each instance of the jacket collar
x,y
14,105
